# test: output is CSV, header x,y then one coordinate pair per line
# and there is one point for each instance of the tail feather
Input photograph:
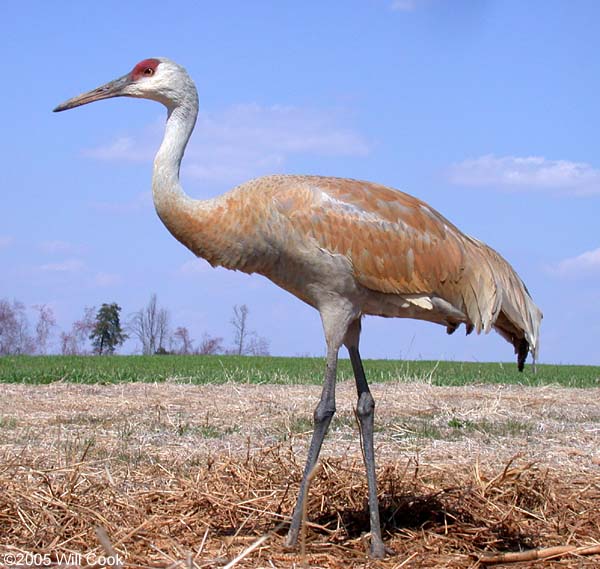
x,y
522,350
503,303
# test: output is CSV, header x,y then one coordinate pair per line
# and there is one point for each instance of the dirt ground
x,y
179,475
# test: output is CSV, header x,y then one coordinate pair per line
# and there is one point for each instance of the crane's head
x,y
159,79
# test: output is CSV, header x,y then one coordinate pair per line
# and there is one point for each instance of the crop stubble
x,y
193,475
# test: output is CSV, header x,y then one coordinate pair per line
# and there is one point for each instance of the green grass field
x,y
277,370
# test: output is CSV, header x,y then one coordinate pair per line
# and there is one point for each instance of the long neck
x,y
166,189
209,228
173,206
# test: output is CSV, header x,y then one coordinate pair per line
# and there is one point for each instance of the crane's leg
x,y
322,417
335,325
365,411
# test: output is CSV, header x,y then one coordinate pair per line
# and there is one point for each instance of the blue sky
x,y
487,110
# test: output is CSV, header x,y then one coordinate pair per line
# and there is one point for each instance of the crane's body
x,y
386,252
348,248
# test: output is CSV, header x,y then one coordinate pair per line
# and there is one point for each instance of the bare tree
x,y
6,327
68,345
14,329
246,341
183,341
258,346
210,345
151,326
72,343
162,325
46,322
239,321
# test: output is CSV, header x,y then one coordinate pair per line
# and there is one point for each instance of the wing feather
x,y
398,244
395,242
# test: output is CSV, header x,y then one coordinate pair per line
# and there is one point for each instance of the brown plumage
x,y
406,260
347,248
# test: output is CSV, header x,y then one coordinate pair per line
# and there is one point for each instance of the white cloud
x,y
5,241
75,269
194,267
123,147
407,5
404,5
219,276
281,129
57,246
68,266
142,201
106,279
586,263
246,140
528,173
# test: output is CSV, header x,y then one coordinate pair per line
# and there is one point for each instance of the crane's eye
x,y
148,72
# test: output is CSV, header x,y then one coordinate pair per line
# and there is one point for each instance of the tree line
x,y
102,331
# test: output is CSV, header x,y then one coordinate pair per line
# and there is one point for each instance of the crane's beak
x,y
112,89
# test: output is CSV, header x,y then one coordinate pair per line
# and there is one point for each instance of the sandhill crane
x,y
345,247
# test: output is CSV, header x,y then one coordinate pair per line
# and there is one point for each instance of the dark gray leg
x,y
365,410
322,417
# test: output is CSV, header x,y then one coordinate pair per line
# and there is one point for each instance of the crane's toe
x,y
378,550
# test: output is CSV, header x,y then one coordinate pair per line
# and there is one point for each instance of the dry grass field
x,y
181,475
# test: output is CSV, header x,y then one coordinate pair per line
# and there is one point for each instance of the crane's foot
x,y
378,550
290,541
